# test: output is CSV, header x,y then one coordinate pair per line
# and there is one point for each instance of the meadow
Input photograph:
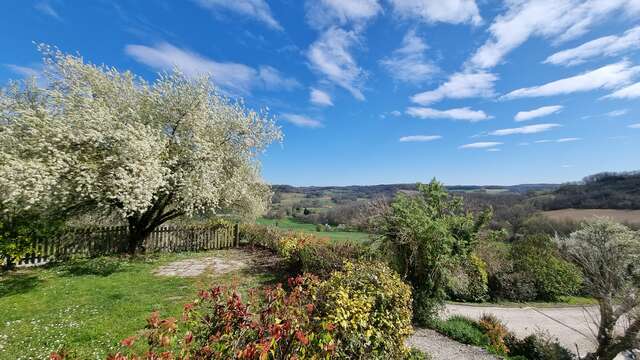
x,y
291,224
619,215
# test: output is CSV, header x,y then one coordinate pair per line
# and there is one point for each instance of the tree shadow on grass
x,y
102,266
17,283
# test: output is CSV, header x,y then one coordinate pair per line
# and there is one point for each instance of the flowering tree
x,y
609,256
96,138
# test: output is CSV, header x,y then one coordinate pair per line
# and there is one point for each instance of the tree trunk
x,y
143,224
8,263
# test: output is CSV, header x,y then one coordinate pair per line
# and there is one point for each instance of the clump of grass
x,y
461,329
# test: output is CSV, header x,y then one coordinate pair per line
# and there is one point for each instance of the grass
x,y
89,306
290,224
563,301
461,329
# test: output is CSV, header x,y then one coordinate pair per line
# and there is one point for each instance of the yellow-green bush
x,y
469,280
371,307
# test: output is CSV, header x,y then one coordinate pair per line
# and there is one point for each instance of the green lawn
x,y
290,224
90,306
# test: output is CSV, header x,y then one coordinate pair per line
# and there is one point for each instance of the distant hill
x,y
328,196
599,191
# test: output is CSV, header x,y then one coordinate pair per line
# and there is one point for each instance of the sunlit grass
x,y
89,307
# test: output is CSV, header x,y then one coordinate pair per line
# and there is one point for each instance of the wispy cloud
x,y
257,9
494,150
604,46
46,8
481,145
319,97
569,139
409,63
327,13
465,113
434,11
330,56
301,120
635,126
536,113
607,77
25,71
559,20
231,77
629,92
420,138
530,129
460,86
273,79
616,113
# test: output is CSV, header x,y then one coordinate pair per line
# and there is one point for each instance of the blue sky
x,y
383,91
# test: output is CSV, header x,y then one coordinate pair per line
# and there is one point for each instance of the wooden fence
x,y
113,240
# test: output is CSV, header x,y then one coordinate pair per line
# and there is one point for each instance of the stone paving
x,y
195,267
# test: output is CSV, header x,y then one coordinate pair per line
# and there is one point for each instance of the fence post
x,y
236,231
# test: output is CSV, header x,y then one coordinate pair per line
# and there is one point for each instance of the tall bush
x,y
427,234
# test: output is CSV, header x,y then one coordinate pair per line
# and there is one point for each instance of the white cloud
x,y
230,77
481,145
330,56
409,63
433,11
459,86
560,20
605,46
396,113
616,113
46,8
635,126
530,129
301,120
562,140
570,139
629,92
327,13
607,77
274,80
420,138
320,97
465,113
536,113
494,150
257,9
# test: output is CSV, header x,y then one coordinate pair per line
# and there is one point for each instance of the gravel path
x,y
442,348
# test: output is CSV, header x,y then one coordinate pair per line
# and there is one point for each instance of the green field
x,y
289,224
89,306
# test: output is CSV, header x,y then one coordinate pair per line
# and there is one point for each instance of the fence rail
x,y
113,240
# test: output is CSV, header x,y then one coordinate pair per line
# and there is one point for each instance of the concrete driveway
x,y
573,327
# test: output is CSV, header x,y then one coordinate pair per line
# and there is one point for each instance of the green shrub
x,y
537,347
537,257
19,233
371,308
426,235
461,329
260,235
303,252
468,281
323,257
514,286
